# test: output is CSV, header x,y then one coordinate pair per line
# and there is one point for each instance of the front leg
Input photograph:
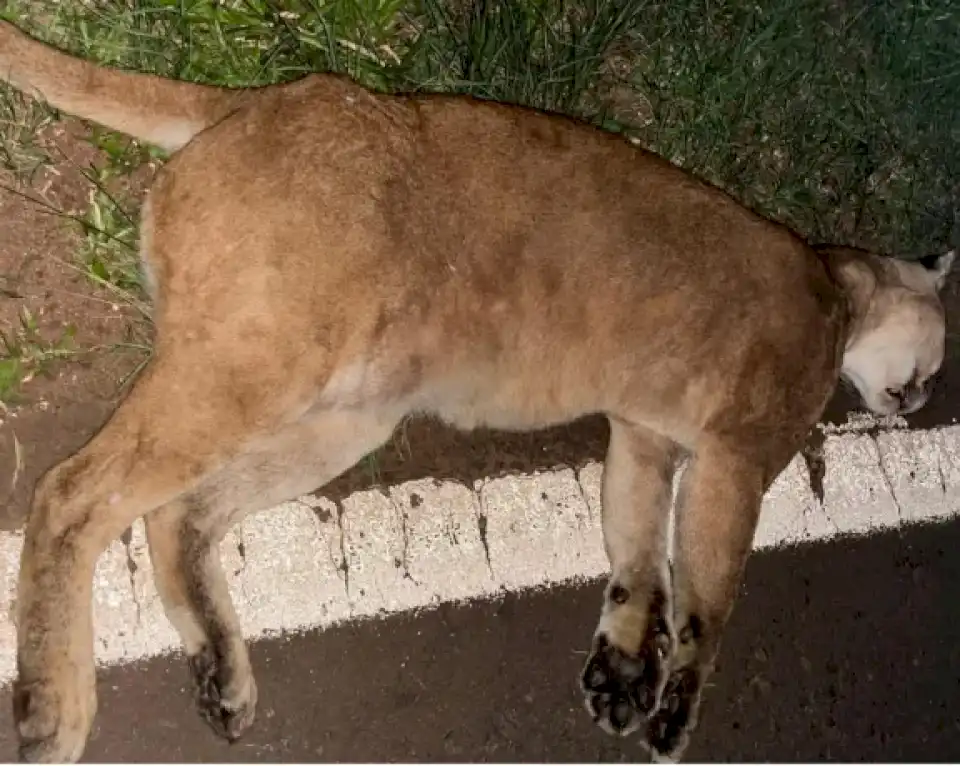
x,y
717,512
627,668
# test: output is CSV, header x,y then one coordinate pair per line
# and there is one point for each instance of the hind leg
x,y
174,432
627,667
184,539
717,513
140,460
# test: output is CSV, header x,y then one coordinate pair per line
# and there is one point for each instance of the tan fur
x,y
327,260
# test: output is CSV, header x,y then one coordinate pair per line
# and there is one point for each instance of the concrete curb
x,y
311,563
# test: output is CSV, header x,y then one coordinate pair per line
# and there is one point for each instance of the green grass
x,y
21,119
841,119
108,249
26,353
837,117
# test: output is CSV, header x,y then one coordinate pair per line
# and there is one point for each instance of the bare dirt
x,y
58,410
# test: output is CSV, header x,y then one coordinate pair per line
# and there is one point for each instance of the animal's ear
x,y
939,266
858,280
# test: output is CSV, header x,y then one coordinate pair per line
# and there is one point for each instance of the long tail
x,y
166,113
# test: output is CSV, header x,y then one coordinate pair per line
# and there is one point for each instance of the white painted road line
x,y
311,563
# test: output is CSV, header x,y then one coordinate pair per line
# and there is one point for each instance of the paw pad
x,y
621,689
669,728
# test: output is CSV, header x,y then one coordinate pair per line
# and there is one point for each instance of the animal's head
x,y
897,335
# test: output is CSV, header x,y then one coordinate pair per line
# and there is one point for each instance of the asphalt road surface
x,y
846,651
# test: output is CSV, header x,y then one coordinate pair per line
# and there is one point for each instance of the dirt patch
x,y
62,406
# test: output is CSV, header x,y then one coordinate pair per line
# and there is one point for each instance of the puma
x,y
325,260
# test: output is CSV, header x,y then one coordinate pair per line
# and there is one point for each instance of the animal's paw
x,y
668,731
53,723
226,699
622,690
